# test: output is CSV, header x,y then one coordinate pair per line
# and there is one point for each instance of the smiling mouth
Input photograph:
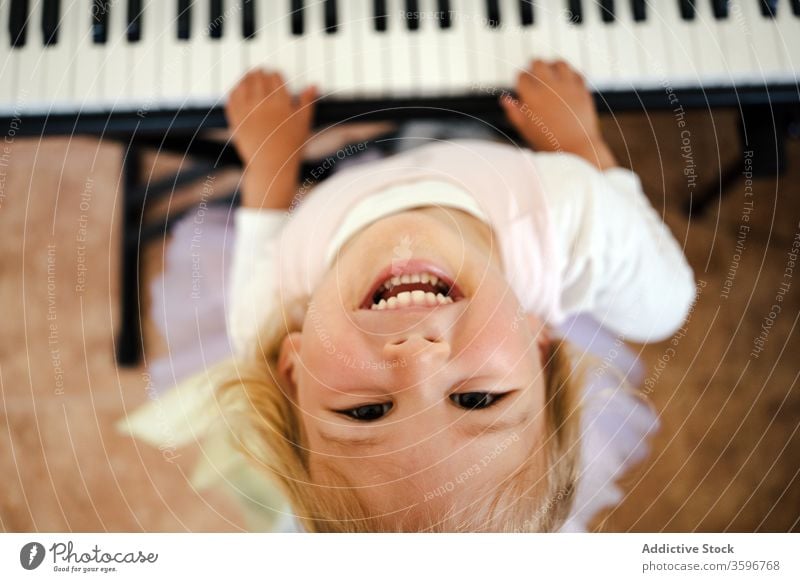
x,y
421,288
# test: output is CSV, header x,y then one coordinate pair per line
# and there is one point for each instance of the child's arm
x,y
270,128
554,112
617,258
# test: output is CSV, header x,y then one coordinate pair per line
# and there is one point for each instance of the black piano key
x,y
796,7
297,17
100,10
493,13
720,9
412,14
575,11
769,8
134,31
248,19
639,9
51,14
381,15
331,16
607,10
215,19
184,20
526,12
17,21
444,16
687,9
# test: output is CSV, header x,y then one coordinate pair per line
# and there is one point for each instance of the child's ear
x,y
289,358
541,332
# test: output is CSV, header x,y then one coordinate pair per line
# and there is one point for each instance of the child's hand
x,y
269,128
554,111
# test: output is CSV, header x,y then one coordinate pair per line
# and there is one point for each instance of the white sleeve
x,y
251,293
618,259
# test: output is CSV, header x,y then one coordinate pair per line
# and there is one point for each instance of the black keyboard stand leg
x,y
129,339
698,203
135,232
762,130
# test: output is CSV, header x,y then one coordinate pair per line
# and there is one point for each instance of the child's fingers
x,y
260,86
565,71
579,77
242,93
505,103
562,69
242,87
540,71
309,94
527,83
511,108
307,97
276,80
304,104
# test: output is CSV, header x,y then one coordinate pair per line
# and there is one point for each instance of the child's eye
x,y
475,400
368,412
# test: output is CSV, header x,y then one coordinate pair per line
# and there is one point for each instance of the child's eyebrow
x,y
350,441
476,429
470,429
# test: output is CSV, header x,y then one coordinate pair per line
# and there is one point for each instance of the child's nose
x,y
417,350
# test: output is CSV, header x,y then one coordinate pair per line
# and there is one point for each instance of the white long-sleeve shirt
x,y
573,238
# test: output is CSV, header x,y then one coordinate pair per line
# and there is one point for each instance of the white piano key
x,y
342,52
231,55
163,71
789,39
402,76
431,62
371,52
710,54
567,36
88,62
764,42
286,55
7,62
145,56
649,43
58,59
540,39
415,55
30,74
598,46
736,53
626,65
173,66
681,46
513,35
260,48
115,63
317,69
203,51
455,50
482,49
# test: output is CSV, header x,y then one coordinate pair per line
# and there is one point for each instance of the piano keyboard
x,y
131,55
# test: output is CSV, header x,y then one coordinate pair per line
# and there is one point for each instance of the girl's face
x,y
422,407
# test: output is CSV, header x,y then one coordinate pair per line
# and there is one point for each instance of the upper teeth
x,y
414,297
417,297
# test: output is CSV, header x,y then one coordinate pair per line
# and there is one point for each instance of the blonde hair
x,y
266,427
